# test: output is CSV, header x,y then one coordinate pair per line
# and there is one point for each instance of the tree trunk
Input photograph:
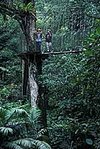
x,y
28,27
37,101
33,87
26,20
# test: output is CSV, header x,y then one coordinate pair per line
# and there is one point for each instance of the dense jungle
x,y
49,90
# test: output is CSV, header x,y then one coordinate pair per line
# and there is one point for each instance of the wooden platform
x,y
31,55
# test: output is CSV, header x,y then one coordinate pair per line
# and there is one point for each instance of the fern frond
x,y
34,114
30,6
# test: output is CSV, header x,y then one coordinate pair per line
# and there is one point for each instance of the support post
x,y
25,76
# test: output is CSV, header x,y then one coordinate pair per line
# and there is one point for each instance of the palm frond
x,y
16,112
6,130
13,145
42,145
29,143
21,112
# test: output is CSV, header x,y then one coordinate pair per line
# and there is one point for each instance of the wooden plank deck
x,y
45,55
63,52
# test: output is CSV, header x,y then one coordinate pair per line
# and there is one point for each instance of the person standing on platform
x,y
48,39
38,38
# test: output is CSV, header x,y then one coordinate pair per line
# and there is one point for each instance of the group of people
x,y
48,40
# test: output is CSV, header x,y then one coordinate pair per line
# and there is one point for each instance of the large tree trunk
x,y
33,86
28,27
28,30
27,22
34,70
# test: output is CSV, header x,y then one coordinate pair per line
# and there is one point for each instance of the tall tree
x,y
24,13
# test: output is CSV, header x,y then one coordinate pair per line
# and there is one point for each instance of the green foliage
x,y
34,114
26,8
10,34
5,131
74,92
28,143
72,80
68,21
12,123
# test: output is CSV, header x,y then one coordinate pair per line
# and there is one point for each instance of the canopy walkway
x,y
63,52
31,55
67,38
